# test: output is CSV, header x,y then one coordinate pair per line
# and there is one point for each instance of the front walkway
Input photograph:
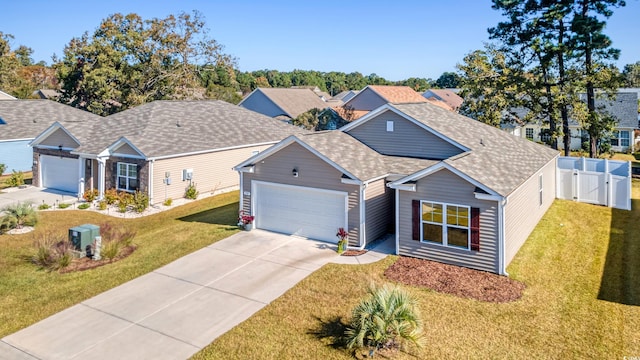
x,y
176,310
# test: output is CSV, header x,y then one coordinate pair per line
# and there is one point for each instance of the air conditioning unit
x,y
187,174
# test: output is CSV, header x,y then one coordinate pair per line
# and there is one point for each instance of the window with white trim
x,y
446,224
529,133
620,138
127,177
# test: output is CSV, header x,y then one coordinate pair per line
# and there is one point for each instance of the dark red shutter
x,y
415,207
475,229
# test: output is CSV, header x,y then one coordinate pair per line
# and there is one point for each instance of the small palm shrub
x,y
191,192
16,179
17,216
386,319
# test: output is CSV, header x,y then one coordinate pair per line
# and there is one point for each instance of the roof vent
x,y
178,123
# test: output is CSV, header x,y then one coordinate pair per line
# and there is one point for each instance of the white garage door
x,y
59,173
308,212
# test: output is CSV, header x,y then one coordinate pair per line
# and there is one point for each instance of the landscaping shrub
x,y
114,239
140,201
16,179
102,205
110,249
18,215
3,167
167,202
90,195
84,206
387,318
111,196
191,192
53,251
63,205
124,200
43,206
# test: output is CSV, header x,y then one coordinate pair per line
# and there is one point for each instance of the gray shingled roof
x,y
359,159
497,159
26,119
294,101
624,108
165,128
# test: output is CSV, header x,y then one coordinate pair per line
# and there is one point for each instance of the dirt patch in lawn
x,y
455,280
86,263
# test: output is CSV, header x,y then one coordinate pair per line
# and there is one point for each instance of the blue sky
x,y
394,39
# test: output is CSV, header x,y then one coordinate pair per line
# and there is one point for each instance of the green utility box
x,y
83,235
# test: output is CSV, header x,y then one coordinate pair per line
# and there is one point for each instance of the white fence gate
x,y
595,181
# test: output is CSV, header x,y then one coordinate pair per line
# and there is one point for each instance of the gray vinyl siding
x,y
212,172
259,102
523,210
406,139
313,172
379,214
367,99
444,186
59,137
126,149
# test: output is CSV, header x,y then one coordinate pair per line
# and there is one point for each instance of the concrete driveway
x,y
175,311
35,196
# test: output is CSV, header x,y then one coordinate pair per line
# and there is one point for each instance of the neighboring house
x,y
445,95
450,188
22,120
47,94
374,96
282,103
624,109
324,96
345,95
5,96
159,148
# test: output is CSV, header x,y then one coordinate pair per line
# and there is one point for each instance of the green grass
x,y
581,266
28,294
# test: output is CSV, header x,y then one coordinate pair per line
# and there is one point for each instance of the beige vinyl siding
x,y
59,137
212,172
126,149
367,99
446,187
406,139
259,102
313,172
379,214
523,210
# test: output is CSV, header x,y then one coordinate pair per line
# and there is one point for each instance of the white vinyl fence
x,y
595,181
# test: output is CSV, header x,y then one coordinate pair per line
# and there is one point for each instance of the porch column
x,y
101,177
81,172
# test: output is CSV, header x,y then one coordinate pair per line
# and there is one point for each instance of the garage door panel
x,y
308,212
59,173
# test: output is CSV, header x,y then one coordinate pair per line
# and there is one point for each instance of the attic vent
x,y
177,123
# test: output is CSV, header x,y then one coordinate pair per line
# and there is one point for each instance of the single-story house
x,y
450,188
453,100
282,103
624,109
374,96
345,96
22,120
159,148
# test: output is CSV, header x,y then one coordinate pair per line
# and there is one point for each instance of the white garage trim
x,y
324,227
59,173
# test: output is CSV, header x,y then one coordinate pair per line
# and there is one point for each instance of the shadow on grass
x,y
331,330
621,276
222,215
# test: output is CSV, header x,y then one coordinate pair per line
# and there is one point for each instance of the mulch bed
x,y
86,263
455,280
353,252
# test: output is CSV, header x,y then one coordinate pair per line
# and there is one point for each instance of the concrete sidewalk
x,y
175,311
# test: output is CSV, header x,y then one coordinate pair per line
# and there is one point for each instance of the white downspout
x,y
81,181
363,233
150,180
101,175
397,221
502,239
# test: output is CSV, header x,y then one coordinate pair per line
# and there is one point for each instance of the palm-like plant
x,y
17,216
388,317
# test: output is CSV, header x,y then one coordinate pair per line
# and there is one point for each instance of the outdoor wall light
x,y
295,172
60,147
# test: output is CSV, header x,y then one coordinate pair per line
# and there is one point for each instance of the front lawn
x,y
28,294
581,267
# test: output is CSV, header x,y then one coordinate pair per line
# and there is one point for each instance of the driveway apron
x,y
175,311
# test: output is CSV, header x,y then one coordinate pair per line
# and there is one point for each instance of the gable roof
x,y
346,95
167,128
26,119
624,108
5,96
293,102
397,94
451,98
497,159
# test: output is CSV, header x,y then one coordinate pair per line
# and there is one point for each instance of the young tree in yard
x,y
128,61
